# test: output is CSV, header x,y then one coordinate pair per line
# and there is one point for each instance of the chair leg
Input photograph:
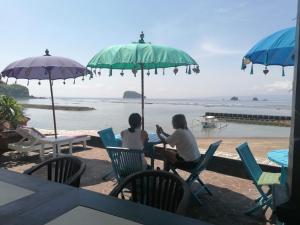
x,y
260,204
258,199
42,152
70,148
205,187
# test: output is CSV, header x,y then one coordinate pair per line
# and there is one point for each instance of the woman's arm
x,y
144,136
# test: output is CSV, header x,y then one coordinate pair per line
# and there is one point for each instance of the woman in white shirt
x,y
187,153
134,137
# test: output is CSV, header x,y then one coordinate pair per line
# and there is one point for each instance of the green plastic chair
x,y
125,161
258,177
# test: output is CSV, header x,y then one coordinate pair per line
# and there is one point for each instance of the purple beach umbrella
x,y
45,67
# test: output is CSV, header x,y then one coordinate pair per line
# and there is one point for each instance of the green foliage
x,y
10,110
14,90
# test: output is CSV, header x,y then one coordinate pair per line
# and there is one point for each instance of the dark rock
x,y
132,94
234,98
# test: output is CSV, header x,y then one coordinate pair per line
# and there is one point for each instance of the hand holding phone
x,y
158,129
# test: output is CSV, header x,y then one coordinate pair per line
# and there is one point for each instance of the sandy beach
x,y
259,146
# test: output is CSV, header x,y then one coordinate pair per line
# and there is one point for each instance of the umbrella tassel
x,y
91,77
251,71
243,67
28,82
175,70
110,72
6,80
74,81
122,73
189,72
155,71
163,71
39,83
283,73
266,71
186,69
148,73
64,82
16,81
99,72
82,78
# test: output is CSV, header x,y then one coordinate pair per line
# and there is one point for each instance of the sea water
x,y
114,113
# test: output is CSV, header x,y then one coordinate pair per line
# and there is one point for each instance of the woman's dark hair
x,y
179,121
134,121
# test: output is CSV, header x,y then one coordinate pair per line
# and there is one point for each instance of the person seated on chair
x,y
186,155
134,137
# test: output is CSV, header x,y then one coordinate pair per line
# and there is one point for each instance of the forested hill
x,y
14,90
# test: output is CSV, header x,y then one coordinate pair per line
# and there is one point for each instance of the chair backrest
x,y
158,189
250,164
207,156
66,170
210,153
108,138
125,161
29,133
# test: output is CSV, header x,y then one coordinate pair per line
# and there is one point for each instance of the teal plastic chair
x,y
108,139
258,177
125,161
199,168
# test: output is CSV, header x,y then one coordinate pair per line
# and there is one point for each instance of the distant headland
x,y
132,94
15,91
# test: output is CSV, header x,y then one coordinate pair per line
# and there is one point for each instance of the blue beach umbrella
x,y
276,49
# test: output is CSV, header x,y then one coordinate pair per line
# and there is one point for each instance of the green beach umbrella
x,y
142,56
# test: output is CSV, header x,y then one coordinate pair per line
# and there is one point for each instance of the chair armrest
x,y
34,168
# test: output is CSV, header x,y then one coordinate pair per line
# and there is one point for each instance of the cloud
x,y
213,49
277,86
235,7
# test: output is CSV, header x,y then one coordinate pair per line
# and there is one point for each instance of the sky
x,y
216,33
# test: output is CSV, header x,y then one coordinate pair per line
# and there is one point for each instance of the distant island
x,y
132,94
255,99
234,98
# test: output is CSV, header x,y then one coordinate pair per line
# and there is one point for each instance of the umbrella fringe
x,y
110,72
189,72
283,73
251,71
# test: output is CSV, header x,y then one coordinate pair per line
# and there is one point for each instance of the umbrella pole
x,y
53,111
142,83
